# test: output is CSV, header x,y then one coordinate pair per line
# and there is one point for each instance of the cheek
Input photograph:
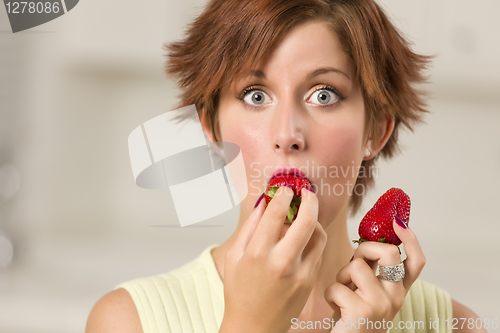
x,y
338,148
243,133
341,144
250,139
340,135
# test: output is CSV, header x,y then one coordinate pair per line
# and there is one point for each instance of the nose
x,y
288,127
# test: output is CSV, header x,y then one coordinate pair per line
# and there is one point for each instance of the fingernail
x,y
305,188
351,258
258,201
287,191
400,222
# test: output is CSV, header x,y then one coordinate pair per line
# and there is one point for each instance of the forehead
x,y
303,50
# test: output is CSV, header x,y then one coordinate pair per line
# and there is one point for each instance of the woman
x,y
293,83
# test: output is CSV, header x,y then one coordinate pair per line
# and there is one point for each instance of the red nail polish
x,y
258,201
400,222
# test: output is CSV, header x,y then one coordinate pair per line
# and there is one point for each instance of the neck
x,y
338,251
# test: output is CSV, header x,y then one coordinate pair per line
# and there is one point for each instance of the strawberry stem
x,y
380,240
359,241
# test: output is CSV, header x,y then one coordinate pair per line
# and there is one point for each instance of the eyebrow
x,y
326,70
260,74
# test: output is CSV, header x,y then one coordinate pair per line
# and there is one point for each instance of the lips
x,y
288,171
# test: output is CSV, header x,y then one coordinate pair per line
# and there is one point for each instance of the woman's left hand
x,y
370,298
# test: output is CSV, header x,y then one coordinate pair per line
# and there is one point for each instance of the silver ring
x,y
392,273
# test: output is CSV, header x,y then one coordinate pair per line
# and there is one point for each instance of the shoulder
x,y
123,310
462,312
114,312
162,300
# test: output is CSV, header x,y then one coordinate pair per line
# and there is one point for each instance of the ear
x,y
385,128
209,135
204,125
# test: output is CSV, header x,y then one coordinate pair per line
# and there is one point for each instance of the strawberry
x,y
377,224
296,183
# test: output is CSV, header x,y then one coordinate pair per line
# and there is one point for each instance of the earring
x,y
367,152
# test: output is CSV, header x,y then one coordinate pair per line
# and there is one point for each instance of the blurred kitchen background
x,y
73,224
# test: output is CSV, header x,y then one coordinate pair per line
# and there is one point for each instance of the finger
x,y
360,273
248,228
378,254
314,249
382,254
267,232
368,285
415,258
299,233
341,297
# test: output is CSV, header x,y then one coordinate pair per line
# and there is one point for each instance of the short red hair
x,y
231,36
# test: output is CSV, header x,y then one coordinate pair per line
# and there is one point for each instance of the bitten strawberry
x,y
377,224
296,183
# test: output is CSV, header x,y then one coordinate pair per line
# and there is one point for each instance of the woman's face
x,y
301,109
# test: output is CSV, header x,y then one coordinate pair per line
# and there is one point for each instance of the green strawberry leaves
x,y
292,210
294,205
290,214
380,240
361,240
273,191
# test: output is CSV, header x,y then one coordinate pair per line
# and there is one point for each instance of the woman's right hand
x,y
267,280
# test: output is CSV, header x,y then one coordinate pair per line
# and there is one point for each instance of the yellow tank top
x,y
191,299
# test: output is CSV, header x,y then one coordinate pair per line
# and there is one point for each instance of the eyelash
x,y
334,90
246,91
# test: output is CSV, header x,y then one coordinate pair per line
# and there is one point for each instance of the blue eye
x,y
324,97
256,97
